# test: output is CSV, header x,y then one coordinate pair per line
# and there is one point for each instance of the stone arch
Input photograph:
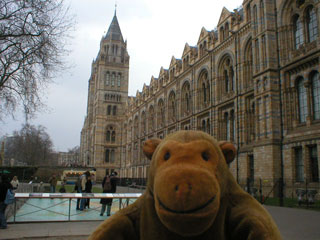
x,y
247,64
203,88
172,106
110,134
186,98
136,126
143,122
151,119
160,113
226,73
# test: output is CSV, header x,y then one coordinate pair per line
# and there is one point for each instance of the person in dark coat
x,y
4,186
88,190
109,185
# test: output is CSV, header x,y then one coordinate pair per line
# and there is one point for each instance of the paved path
x,y
294,224
57,230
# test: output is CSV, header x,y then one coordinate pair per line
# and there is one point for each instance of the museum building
x,y
253,81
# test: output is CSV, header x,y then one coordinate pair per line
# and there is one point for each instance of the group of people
x,y
83,185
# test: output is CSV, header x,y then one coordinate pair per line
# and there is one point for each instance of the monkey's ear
x,y
228,150
150,146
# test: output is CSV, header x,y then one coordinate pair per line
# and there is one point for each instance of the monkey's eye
x,y
205,156
166,156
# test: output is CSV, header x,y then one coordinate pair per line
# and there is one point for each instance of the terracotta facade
x,y
253,80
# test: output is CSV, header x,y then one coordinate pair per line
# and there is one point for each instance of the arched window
x,y
172,106
203,125
114,112
302,100
227,123
262,14
113,137
312,24
119,79
255,18
136,127
151,119
204,89
143,122
316,95
113,79
257,54
298,31
226,31
109,110
227,74
160,120
107,78
204,92
226,80
112,156
248,13
232,126
108,136
107,156
221,34
186,97
248,61
233,83
130,131
208,126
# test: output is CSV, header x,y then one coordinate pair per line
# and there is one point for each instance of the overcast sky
x,y
155,30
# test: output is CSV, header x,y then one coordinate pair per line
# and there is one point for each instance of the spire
x,y
114,32
115,9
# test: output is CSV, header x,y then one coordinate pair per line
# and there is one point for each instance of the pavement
x,y
294,224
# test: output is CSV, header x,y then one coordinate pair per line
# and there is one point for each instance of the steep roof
x,y
224,14
114,32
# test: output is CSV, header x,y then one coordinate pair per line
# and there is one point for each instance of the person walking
x,y
53,183
109,185
15,182
4,186
88,190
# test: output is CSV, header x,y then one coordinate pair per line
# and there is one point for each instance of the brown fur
x,y
191,194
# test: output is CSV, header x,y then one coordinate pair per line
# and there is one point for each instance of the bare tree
x,y
75,149
31,145
33,40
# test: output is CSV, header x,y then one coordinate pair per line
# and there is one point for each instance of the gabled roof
x,y
203,34
145,87
153,79
162,71
224,14
186,49
114,32
173,61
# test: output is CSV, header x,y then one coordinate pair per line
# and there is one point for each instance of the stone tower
x,y
107,97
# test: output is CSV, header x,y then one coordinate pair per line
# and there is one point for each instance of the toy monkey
x,y
191,194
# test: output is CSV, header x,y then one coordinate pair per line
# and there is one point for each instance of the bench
x,y
306,196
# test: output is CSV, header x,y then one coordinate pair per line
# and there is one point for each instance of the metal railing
x,y
283,192
47,207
